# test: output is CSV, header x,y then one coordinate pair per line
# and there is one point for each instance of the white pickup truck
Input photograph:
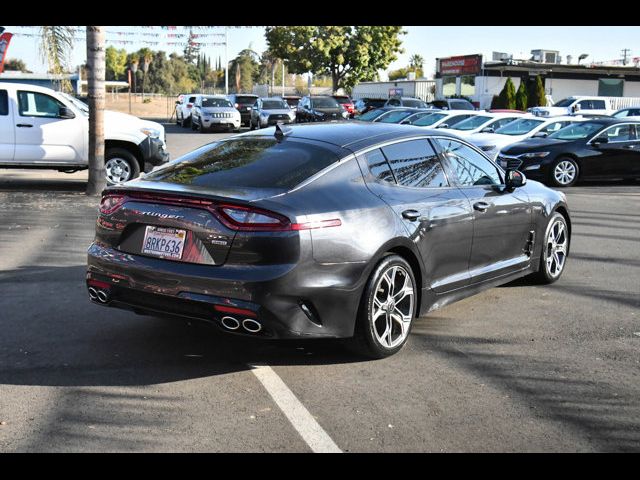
x,y
585,105
42,128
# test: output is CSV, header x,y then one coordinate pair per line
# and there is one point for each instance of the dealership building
x,y
469,76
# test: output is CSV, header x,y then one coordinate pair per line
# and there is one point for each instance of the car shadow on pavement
x,y
13,183
53,335
603,413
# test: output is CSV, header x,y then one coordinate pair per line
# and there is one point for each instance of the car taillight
x,y
110,203
189,105
247,218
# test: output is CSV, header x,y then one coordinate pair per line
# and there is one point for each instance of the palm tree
x,y
416,61
56,42
147,57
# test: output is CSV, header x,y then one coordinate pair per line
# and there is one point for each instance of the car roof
x,y
349,135
272,98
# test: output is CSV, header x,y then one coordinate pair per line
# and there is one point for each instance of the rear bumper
x,y
307,300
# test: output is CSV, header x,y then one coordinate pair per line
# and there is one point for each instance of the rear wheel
x,y
564,172
554,250
185,122
387,309
120,165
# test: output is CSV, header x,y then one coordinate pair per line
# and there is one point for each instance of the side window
x,y
553,127
598,104
35,104
415,164
4,103
502,122
619,133
585,105
451,121
470,167
394,102
192,99
379,166
414,117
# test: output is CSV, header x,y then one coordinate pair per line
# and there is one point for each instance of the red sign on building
x,y
463,65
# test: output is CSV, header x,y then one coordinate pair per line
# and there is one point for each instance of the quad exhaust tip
x,y
251,325
98,295
103,296
230,323
93,293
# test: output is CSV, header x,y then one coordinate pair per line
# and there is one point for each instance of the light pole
x,y
134,69
226,60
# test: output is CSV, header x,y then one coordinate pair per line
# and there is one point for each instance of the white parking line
x,y
304,423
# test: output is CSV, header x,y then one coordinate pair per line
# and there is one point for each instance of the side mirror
x,y
177,102
443,125
514,179
576,108
65,112
599,140
487,130
541,135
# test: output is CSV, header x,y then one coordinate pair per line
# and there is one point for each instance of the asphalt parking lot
x,y
518,368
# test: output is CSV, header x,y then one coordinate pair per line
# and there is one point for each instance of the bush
x,y
495,102
146,100
521,96
508,95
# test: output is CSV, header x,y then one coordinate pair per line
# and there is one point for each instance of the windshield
x,y
577,131
519,127
325,102
413,103
246,99
370,115
429,119
395,116
565,102
472,123
273,104
78,103
215,102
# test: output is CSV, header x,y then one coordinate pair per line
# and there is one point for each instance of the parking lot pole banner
x,y
5,38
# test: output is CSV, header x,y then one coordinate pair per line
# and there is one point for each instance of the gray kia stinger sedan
x,y
323,230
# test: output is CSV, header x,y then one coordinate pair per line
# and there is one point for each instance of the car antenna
x,y
281,132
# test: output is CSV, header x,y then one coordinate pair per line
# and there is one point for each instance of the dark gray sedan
x,y
326,230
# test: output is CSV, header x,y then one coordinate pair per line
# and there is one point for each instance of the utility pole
x,y
625,52
226,60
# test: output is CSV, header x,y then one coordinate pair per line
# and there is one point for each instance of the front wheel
x,y
564,172
554,250
387,310
120,165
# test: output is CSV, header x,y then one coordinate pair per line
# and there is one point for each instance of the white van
x,y
42,128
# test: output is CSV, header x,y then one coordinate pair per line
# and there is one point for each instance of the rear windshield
x,y
413,103
370,115
244,99
215,102
247,163
343,99
324,102
292,101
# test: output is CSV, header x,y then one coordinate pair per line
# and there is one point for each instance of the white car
x,y
525,127
42,128
214,111
632,113
487,122
574,105
445,118
184,105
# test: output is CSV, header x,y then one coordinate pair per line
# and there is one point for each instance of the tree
x,y
17,65
116,63
521,96
192,50
147,58
416,61
508,95
246,68
495,102
541,100
347,54
56,42
96,93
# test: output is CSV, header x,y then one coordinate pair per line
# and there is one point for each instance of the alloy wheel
x,y
564,172
556,249
118,170
392,307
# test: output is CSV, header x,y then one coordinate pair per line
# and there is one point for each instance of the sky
x,y
601,43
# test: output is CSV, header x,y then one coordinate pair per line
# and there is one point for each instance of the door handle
x,y
411,215
481,206
629,147
24,125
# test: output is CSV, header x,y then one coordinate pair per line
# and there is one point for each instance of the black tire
x,y
178,121
365,340
569,163
544,275
185,122
194,126
121,154
251,125
202,129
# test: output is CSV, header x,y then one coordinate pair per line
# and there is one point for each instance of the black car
x,y
363,105
452,104
243,103
406,102
319,108
605,148
323,230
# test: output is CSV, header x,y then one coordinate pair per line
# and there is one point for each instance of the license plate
x,y
164,242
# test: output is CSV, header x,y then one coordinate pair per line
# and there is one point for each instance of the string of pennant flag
x,y
120,41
